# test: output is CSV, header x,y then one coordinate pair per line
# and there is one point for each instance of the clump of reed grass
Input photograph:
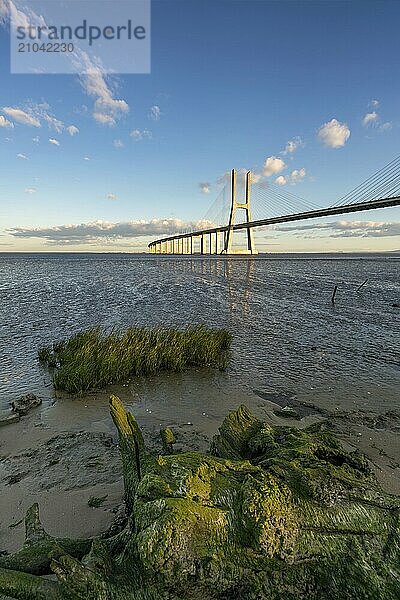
x,y
93,359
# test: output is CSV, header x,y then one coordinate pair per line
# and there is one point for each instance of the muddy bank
x,y
62,473
65,452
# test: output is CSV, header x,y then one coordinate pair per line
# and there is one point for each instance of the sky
x,y
305,94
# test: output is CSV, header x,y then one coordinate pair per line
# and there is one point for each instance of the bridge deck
x,y
312,214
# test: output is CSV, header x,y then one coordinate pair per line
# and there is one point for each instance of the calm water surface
x,y
287,335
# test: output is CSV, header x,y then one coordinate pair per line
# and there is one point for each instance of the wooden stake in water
x,y
334,294
362,285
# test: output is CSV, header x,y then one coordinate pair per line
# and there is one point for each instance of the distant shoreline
x,y
261,255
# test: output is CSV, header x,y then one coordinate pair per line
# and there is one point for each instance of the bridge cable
x,y
372,185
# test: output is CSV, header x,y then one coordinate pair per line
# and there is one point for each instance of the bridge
x,y
381,190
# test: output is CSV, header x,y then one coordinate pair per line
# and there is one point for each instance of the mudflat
x,y
64,453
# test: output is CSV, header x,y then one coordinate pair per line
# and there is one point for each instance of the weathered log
x,y
270,513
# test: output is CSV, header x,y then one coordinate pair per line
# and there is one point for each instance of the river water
x,y
287,336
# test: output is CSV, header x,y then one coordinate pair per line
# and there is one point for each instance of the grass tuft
x,y
93,359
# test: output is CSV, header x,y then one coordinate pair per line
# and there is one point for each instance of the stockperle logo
x,y
79,36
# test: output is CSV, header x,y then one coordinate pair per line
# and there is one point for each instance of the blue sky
x,y
232,83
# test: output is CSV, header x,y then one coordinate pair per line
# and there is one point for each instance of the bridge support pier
x,y
228,247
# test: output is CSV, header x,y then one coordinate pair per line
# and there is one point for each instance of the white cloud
x,y
85,233
139,135
155,113
22,157
20,116
374,103
107,109
293,145
86,158
4,11
370,118
273,165
111,197
344,229
36,139
40,111
205,187
118,144
34,115
103,118
19,18
72,130
297,175
255,177
373,119
136,134
30,190
54,142
334,134
5,123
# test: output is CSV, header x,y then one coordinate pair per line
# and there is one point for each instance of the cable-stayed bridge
x,y
261,203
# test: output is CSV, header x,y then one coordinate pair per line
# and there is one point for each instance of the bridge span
x,y
219,240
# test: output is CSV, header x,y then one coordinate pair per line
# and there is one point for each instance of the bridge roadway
x,y
157,245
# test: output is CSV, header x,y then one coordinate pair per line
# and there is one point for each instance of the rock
x,y
396,305
25,404
287,412
282,398
8,419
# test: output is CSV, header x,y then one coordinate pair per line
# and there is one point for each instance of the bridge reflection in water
x,y
234,275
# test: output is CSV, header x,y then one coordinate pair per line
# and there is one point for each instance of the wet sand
x,y
66,451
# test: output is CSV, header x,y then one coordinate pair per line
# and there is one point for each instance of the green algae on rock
x,y
93,359
270,513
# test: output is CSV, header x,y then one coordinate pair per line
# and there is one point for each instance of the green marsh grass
x,y
93,359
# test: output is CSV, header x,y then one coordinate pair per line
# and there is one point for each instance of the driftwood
x,y
270,512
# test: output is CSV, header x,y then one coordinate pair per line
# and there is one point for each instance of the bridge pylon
x,y
228,246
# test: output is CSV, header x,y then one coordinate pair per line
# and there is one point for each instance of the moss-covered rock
x,y
271,512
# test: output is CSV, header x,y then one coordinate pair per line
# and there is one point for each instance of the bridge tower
x,y
228,247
